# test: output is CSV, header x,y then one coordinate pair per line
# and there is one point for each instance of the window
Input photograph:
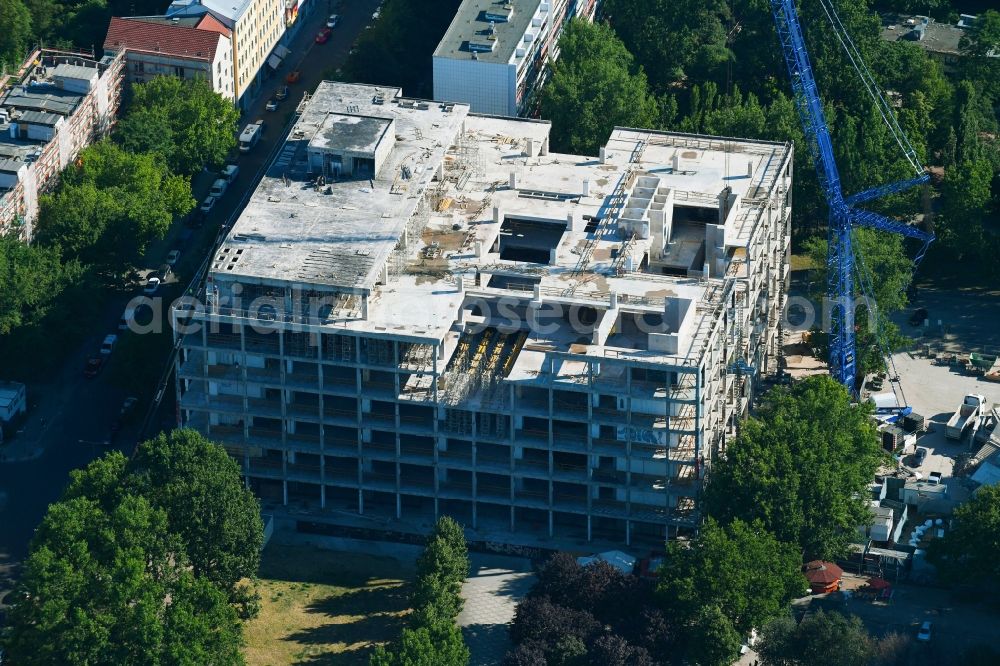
x,y
139,67
179,72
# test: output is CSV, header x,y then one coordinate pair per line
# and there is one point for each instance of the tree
x,y
967,553
31,277
594,87
785,643
801,466
397,50
15,33
432,637
438,645
740,568
198,487
112,586
110,206
538,619
674,40
613,650
712,640
183,120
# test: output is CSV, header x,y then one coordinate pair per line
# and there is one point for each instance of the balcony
x,y
564,472
379,481
347,447
537,438
609,476
485,491
264,407
266,467
304,443
535,498
306,473
493,464
538,468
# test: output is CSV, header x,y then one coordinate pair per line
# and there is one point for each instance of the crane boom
x,y
842,215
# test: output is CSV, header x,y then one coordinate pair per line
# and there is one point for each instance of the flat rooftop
x,y
489,29
476,207
340,234
938,37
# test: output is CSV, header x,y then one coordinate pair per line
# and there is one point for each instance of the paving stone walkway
x,y
495,584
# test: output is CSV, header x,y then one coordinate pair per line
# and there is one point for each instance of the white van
x,y
126,319
218,187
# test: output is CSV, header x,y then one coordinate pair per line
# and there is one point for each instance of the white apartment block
x,y
196,47
495,54
53,107
256,27
422,311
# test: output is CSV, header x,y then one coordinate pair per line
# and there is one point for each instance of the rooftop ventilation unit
x,y
476,47
497,16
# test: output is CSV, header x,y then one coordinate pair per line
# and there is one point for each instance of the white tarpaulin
x,y
616,558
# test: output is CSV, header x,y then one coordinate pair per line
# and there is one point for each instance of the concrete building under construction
x,y
424,311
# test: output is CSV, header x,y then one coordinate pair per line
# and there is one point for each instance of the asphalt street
x,y
70,417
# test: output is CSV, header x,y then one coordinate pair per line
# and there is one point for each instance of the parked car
x,y
152,285
93,366
323,36
219,187
196,220
921,455
108,345
173,256
333,21
919,317
924,635
281,94
272,105
293,76
230,172
207,204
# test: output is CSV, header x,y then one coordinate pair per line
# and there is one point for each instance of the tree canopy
x,y
15,33
801,466
137,563
183,120
968,552
594,87
110,205
30,277
433,638
111,586
740,568
808,643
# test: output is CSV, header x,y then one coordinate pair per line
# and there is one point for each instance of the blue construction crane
x,y
843,216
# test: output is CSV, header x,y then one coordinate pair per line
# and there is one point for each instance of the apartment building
x,y
424,311
190,47
55,105
256,25
495,54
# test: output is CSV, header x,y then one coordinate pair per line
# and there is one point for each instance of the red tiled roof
x,y
209,22
175,40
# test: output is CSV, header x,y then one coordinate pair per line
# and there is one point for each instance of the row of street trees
x,y
142,561
93,230
432,637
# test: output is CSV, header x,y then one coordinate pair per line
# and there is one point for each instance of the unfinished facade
x,y
423,311
50,110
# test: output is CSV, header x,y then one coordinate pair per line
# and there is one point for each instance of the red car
x,y
323,35
93,366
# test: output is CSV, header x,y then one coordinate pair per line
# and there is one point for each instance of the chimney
x,y
613,300
496,215
529,147
513,180
479,248
604,154
461,284
750,169
544,149
676,162
586,187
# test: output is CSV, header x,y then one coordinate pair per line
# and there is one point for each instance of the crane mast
x,y
842,214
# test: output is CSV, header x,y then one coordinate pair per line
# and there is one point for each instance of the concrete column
x,y
604,154
496,215
586,187
513,180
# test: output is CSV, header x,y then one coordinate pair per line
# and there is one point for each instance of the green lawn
x,y
325,607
